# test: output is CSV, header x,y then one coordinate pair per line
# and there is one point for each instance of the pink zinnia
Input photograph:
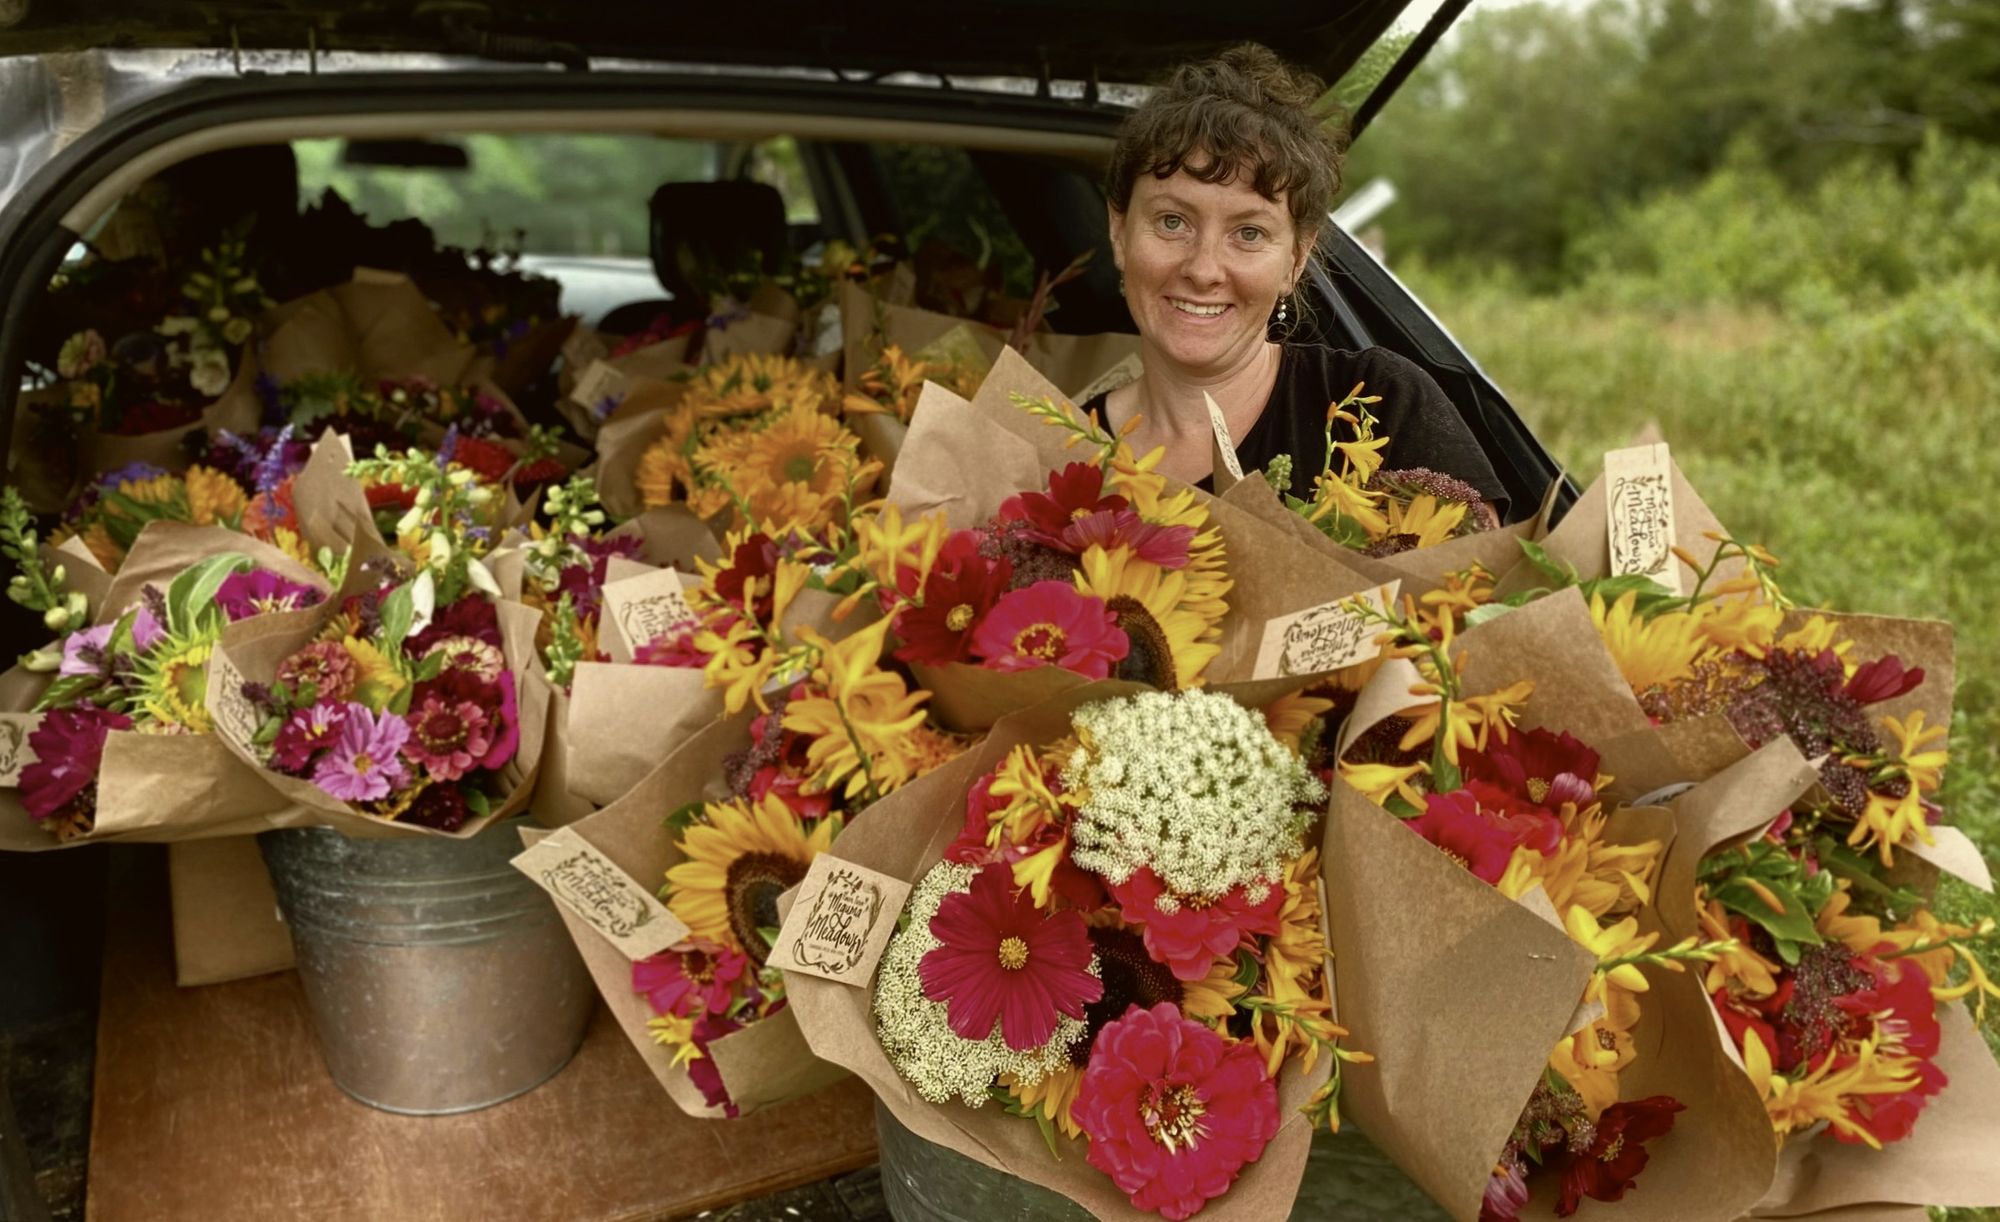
x,y
324,666
699,975
306,733
1189,935
1174,1112
448,737
1050,624
69,750
365,764
1002,960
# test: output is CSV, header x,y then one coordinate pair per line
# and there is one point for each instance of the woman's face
x,y
1204,265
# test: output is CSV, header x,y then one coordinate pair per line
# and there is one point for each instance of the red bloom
x,y
702,1071
1166,546
485,458
505,725
1002,959
1050,624
1174,1112
441,807
474,615
390,496
955,601
1883,679
756,557
1190,935
1539,767
1456,824
1074,492
1078,887
1618,1155
69,750
699,975
448,737
1904,1013
791,791
1532,826
675,647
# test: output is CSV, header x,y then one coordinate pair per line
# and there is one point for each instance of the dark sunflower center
x,y
1131,978
1151,659
755,882
799,468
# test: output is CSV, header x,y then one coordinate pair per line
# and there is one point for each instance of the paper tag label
x,y
1325,638
1225,448
15,753
235,717
642,609
599,382
589,884
1639,508
840,922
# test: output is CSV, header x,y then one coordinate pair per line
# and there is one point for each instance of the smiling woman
x,y
1216,194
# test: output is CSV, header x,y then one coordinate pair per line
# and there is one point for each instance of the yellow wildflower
x,y
861,718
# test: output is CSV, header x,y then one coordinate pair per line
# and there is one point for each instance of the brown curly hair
x,y
1243,112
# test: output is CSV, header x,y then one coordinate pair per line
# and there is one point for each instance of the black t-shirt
x,y
1423,427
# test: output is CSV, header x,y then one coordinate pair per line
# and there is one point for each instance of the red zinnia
x,y
1174,1112
940,632
1189,935
1074,492
1456,824
1050,624
1618,1155
1001,959
1538,767
699,974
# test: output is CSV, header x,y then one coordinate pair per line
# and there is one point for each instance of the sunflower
x,y
799,463
740,858
1428,519
1291,715
1205,571
1051,1098
752,383
213,498
1172,640
1651,653
664,475
173,682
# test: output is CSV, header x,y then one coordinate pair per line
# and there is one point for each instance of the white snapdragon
x,y
1191,784
916,1031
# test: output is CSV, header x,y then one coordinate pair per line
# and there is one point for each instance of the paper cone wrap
x,y
904,835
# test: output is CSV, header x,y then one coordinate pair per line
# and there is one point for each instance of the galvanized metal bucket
x,y
440,979
1346,1177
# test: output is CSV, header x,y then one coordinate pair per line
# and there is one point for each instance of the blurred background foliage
x,y
1771,228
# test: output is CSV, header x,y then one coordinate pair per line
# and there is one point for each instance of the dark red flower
x,y
1075,491
474,616
1458,825
790,790
69,750
1904,1014
390,496
755,557
1883,679
487,459
1002,960
702,1071
1618,1155
1189,935
1537,766
439,807
955,601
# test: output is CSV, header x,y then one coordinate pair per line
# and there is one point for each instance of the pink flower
x,y
1050,624
1456,824
324,666
700,974
1174,1112
306,733
448,737
69,750
258,591
83,652
1000,959
674,647
365,764
507,726
1189,935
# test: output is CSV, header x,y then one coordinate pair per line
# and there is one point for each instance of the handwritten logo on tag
x,y
582,879
1639,506
646,608
235,716
840,922
15,752
601,384
1325,638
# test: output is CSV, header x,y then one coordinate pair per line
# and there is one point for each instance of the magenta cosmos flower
x,y
259,591
69,750
365,764
1000,959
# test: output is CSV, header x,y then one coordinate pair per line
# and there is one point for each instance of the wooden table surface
x,y
212,1103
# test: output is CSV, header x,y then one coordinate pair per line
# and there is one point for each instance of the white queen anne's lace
x,y
1191,784
917,1035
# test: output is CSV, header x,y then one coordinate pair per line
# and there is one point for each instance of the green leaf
x,y
1651,599
191,597
1247,969
478,803
1793,925
685,817
1490,611
399,611
1562,572
66,691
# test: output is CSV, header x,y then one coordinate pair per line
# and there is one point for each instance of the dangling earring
x,y
1283,300
1121,284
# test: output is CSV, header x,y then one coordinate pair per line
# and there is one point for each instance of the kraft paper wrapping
x,y
253,648
237,410
226,921
1581,539
1072,362
1948,1157
608,747
751,333
763,1064
903,836
155,787
621,443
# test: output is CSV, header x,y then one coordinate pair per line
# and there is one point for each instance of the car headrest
x,y
722,226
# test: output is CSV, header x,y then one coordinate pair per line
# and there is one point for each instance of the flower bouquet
x,y
409,700
107,516
1130,1009
114,738
752,799
377,325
